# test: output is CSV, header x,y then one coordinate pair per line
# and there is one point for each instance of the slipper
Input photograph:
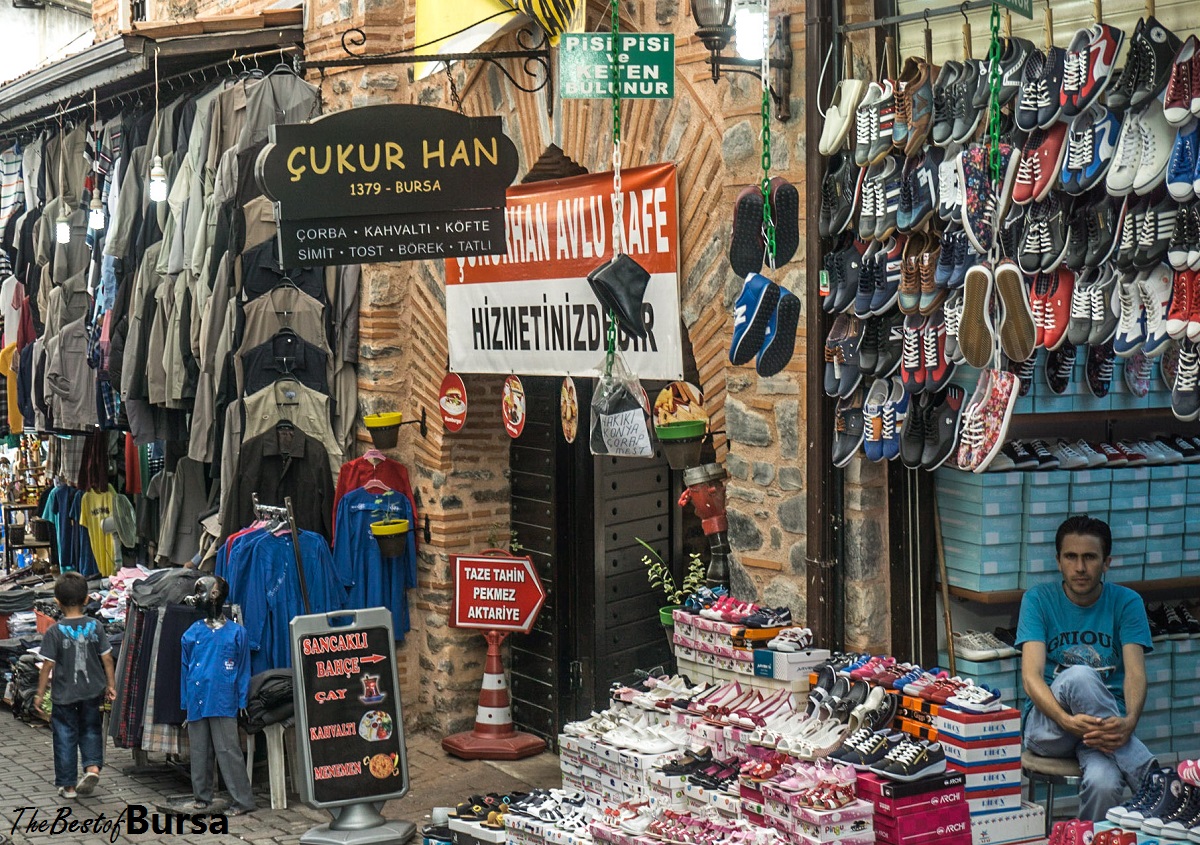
x,y
746,243
87,784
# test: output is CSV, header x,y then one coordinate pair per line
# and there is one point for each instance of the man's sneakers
x,y
1160,792
1152,50
765,320
911,760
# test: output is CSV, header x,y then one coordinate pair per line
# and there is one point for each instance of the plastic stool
x,y
276,772
1052,771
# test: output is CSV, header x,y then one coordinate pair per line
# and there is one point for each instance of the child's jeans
x,y
77,734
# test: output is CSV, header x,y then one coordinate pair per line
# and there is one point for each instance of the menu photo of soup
x,y
452,402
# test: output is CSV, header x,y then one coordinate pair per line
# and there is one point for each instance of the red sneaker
x,y
1041,160
1193,325
1177,100
1105,43
938,370
1039,290
1079,832
1056,309
1182,298
1189,770
1114,456
1133,456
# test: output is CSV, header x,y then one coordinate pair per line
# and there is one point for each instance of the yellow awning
x,y
439,23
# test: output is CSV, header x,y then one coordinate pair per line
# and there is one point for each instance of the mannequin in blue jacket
x,y
215,681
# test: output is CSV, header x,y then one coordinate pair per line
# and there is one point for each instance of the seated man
x,y
1082,662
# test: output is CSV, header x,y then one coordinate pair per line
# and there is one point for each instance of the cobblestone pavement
x,y
27,781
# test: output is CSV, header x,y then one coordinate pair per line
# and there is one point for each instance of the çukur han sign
x,y
496,593
387,183
530,309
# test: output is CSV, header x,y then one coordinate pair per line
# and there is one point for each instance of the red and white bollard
x,y
494,737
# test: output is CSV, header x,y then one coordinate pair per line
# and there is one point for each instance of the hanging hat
x,y
121,522
620,285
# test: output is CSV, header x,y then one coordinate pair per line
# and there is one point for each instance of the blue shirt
x,y
372,581
215,676
1092,636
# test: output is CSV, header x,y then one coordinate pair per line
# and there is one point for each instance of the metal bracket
x,y
424,426
535,59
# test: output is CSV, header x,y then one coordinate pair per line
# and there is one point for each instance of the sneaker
x,y
1041,160
1075,73
949,194
1104,44
1134,456
1182,240
909,292
967,116
1182,295
752,311
1067,457
1189,454
1131,325
912,760
1060,364
971,646
941,129
1098,371
942,427
1158,138
976,337
1152,50
873,419
912,362
868,346
1032,92
1094,458
868,749
1056,308
66,791
867,280
746,245
952,309
914,433
884,114
1024,371
1149,793
87,783
849,429
839,117
1176,823
1181,167
916,77
1090,145
1185,399
992,418
1101,228
1133,216
1177,100
1137,372
976,699
888,263
779,339
849,374
1045,457
895,412
938,370
982,201
867,123
1013,60
1154,287
1127,157
887,196
1019,455
847,269
1115,457
932,295
1169,799
1017,330
1104,319
1053,77
891,344
870,202
1079,325
921,181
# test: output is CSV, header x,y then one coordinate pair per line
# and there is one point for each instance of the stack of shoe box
x,y
978,556
721,649
1128,519
1166,519
1191,539
1185,698
606,774
1157,721
932,810
852,824
986,748
1047,503
1023,826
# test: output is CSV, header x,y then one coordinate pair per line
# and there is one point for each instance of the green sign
x,y
645,66
1021,7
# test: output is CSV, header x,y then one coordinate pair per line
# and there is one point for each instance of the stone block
x,y
763,473
744,533
740,142
745,426
787,423
791,478
737,466
793,514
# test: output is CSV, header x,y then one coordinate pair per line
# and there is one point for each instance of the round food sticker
x,y
568,409
513,406
375,726
679,401
452,402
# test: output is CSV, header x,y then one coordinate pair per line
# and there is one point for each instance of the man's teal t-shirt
x,y
1092,636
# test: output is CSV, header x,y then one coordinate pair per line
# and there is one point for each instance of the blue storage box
x,y
1164,528
981,583
978,530
1095,508
1191,541
1158,567
1050,504
1086,490
1185,687
1052,478
1169,472
1127,527
1042,523
1040,560
1051,404
1029,580
1186,746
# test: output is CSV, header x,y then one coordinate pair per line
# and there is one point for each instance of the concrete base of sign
x,y
360,824
474,746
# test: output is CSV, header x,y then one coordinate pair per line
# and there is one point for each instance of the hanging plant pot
x,y
682,441
666,615
384,429
390,534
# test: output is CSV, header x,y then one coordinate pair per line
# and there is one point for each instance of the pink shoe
x,y
1189,770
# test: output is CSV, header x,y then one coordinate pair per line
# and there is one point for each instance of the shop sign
x,y
350,728
512,405
387,183
1021,7
452,402
531,309
496,593
645,66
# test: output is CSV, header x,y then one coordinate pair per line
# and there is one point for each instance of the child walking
x,y
76,649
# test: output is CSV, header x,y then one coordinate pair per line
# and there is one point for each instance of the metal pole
x,y
291,517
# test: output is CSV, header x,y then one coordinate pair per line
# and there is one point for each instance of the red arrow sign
x,y
371,658
496,593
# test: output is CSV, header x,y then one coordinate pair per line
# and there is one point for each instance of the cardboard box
x,y
950,820
1009,827
994,800
957,725
871,785
981,751
852,821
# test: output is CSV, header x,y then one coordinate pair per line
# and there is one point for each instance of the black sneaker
x,y
1133,215
1185,398
1008,636
1154,233
1176,824
865,748
911,760
1149,793
848,430
912,433
983,87
839,194
1045,459
941,130
1031,93
942,427
1152,50
1190,454
1183,236
966,115
1049,107
1177,629
1193,624
848,356
1077,240
1060,363
1012,66
1056,231
1101,229
868,347
1099,370
1020,455
1158,628
1034,247
1024,371
832,265
850,269
891,344
1170,796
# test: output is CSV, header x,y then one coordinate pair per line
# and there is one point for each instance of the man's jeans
x,y
77,733
1080,690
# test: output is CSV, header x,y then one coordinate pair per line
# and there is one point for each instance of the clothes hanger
x,y
374,456
375,485
283,67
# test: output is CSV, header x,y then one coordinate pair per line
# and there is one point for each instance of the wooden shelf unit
x,y
1167,585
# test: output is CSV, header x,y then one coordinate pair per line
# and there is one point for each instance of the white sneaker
x,y
1067,457
840,116
1002,648
1094,458
1154,287
972,646
1123,171
976,699
1127,302
1157,138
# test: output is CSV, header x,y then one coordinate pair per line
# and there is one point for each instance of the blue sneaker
x,y
877,397
1182,167
1091,142
752,311
779,340
866,281
888,261
894,413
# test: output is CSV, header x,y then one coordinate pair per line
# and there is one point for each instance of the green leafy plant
x,y
659,574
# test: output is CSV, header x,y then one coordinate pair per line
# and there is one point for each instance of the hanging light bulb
x,y
158,181
748,28
62,228
96,215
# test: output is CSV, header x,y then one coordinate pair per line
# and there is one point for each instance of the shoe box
x,y
475,833
986,748
788,666
700,800
1026,824
851,823
932,809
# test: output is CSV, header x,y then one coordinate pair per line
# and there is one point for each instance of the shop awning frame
x,y
124,63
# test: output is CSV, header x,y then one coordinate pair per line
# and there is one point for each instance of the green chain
x,y
768,217
994,104
613,72
615,81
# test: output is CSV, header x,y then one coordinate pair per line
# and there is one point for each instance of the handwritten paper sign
x,y
626,434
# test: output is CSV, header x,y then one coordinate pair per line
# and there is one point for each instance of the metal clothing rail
x,y
286,513
941,11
